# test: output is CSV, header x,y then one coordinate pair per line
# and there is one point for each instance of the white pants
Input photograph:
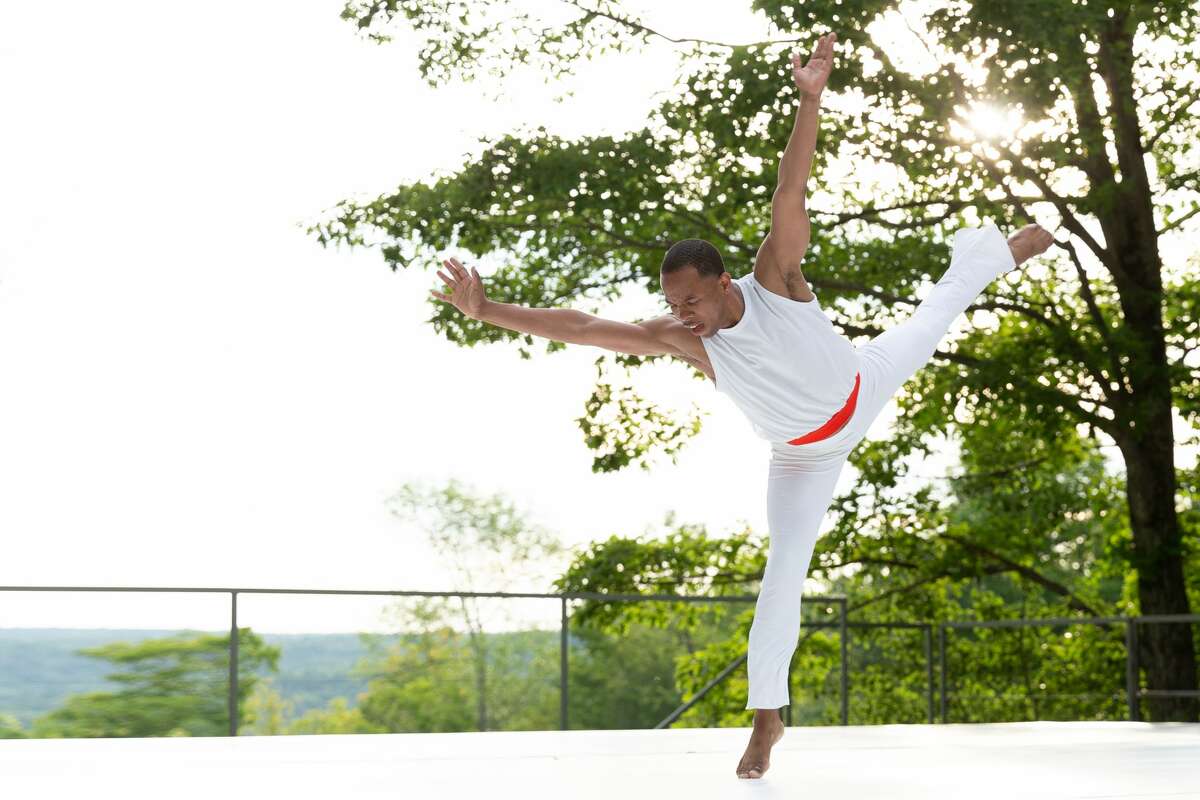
x,y
802,478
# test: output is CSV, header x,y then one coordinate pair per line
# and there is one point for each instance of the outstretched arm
x,y
785,245
568,325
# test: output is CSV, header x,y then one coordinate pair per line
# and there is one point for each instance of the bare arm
x,y
578,327
790,226
560,324
782,251
566,325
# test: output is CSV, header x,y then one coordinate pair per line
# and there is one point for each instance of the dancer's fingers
x,y
445,280
827,47
814,55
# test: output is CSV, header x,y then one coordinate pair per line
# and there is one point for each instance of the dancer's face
x,y
695,300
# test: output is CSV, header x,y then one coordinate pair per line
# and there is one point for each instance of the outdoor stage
x,y
1015,761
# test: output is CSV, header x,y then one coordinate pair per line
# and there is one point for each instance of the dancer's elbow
x,y
634,338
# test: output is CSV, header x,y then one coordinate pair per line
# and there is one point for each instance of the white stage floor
x,y
1020,760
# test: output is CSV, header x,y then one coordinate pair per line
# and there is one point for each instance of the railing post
x,y
562,668
233,668
1132,684
927,630
942,647
845,667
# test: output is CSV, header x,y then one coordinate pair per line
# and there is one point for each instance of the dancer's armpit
x,y
648,338
777,265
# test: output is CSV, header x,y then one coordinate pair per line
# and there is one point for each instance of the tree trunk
x,y
481,678
1144,432
1145,435
1166,649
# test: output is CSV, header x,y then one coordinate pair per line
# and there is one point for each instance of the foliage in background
x,y
919,136
486,544
175,686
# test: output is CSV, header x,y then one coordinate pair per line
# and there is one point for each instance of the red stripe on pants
x,y
835,422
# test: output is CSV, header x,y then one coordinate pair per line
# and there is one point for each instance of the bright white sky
x,y
197,395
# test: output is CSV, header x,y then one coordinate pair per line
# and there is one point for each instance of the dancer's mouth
x,y
699,326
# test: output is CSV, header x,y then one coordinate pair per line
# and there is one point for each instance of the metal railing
x,y
1133,691
563,598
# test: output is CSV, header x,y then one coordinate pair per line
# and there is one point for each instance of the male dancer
x,y
766,342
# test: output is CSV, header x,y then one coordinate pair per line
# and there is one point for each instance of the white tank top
x,y
783,364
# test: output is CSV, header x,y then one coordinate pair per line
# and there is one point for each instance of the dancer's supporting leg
x,y
798,495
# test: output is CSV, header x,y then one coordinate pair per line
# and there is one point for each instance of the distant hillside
x,y
39,667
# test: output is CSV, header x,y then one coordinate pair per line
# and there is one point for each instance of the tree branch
x,y
1123,392
1070,221
992,570
884,561
993,473
952,206
1175,223
1085,287
1069,401
637,26
1027,572
1173,116
707,224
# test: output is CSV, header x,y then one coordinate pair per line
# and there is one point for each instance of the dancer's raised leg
x,y
980,255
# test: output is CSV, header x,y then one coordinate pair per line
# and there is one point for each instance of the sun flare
x,y
985,121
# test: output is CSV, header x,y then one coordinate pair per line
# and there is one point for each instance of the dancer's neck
x,y
737,307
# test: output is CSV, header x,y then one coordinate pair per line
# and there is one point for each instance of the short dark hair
x,y
697,253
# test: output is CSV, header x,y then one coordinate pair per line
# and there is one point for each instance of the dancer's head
x,y
696,285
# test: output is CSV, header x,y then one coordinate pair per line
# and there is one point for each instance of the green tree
x,y
900,556
173,686
622,681
426,681
1097,342
337,717
487,545
686,561
267,711
10,727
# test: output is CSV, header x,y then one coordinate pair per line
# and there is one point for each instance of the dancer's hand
x,y
810,79
1030,241
466,288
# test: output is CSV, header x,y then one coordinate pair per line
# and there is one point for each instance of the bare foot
x,y
768,729
1030,241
